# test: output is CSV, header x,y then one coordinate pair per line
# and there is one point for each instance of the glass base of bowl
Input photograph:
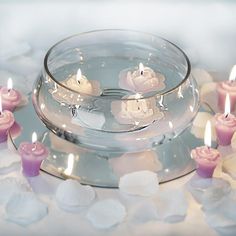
x,y
103,169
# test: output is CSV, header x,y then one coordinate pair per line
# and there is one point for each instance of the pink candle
x,y
6,122
32,155
227,87
206,157
225,125
10,97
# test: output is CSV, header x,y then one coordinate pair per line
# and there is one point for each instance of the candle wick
x,y
141,72
34,147
226,115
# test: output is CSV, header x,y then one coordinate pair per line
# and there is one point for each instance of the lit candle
x,y
138,111
142,80
79,83
225,124
6,122
227,87
11,98
206,157
32,154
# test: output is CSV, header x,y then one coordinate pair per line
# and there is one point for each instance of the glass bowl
x,y
84,93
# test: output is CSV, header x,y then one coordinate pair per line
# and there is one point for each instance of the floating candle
x,y
79,83
142,80
206,157
6,122
227,87
138,111
225,124
11,98
32,155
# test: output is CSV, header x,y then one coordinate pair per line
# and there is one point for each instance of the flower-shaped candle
x,y
11,98
225,124
142,80
6,122
227,87
32,155
206,157
138,111
78,83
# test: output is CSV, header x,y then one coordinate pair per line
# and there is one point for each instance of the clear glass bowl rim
x,y
157,94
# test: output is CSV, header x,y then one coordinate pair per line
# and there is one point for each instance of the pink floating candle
x,y
11,98
225,125
32,155
227,87
206,157
6,122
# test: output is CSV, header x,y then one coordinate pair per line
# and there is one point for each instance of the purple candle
x,y
225,125
206,157
10,97
227,87
32,155
6,122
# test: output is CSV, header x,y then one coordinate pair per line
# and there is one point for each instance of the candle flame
x,y
9,84
71,160
78,75
207,134
170,124
227,105
0,105
137,96
34,137
232,75
141,68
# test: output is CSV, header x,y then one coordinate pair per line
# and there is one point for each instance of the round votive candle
x,y
206,159
225,126
11,98
32,155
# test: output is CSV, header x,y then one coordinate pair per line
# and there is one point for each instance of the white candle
x,y
142,80
79,83
137,111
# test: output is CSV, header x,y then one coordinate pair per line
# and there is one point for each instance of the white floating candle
x,y
142,80
79,83
137,111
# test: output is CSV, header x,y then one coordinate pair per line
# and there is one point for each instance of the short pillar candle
x,y
206,158
32,155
